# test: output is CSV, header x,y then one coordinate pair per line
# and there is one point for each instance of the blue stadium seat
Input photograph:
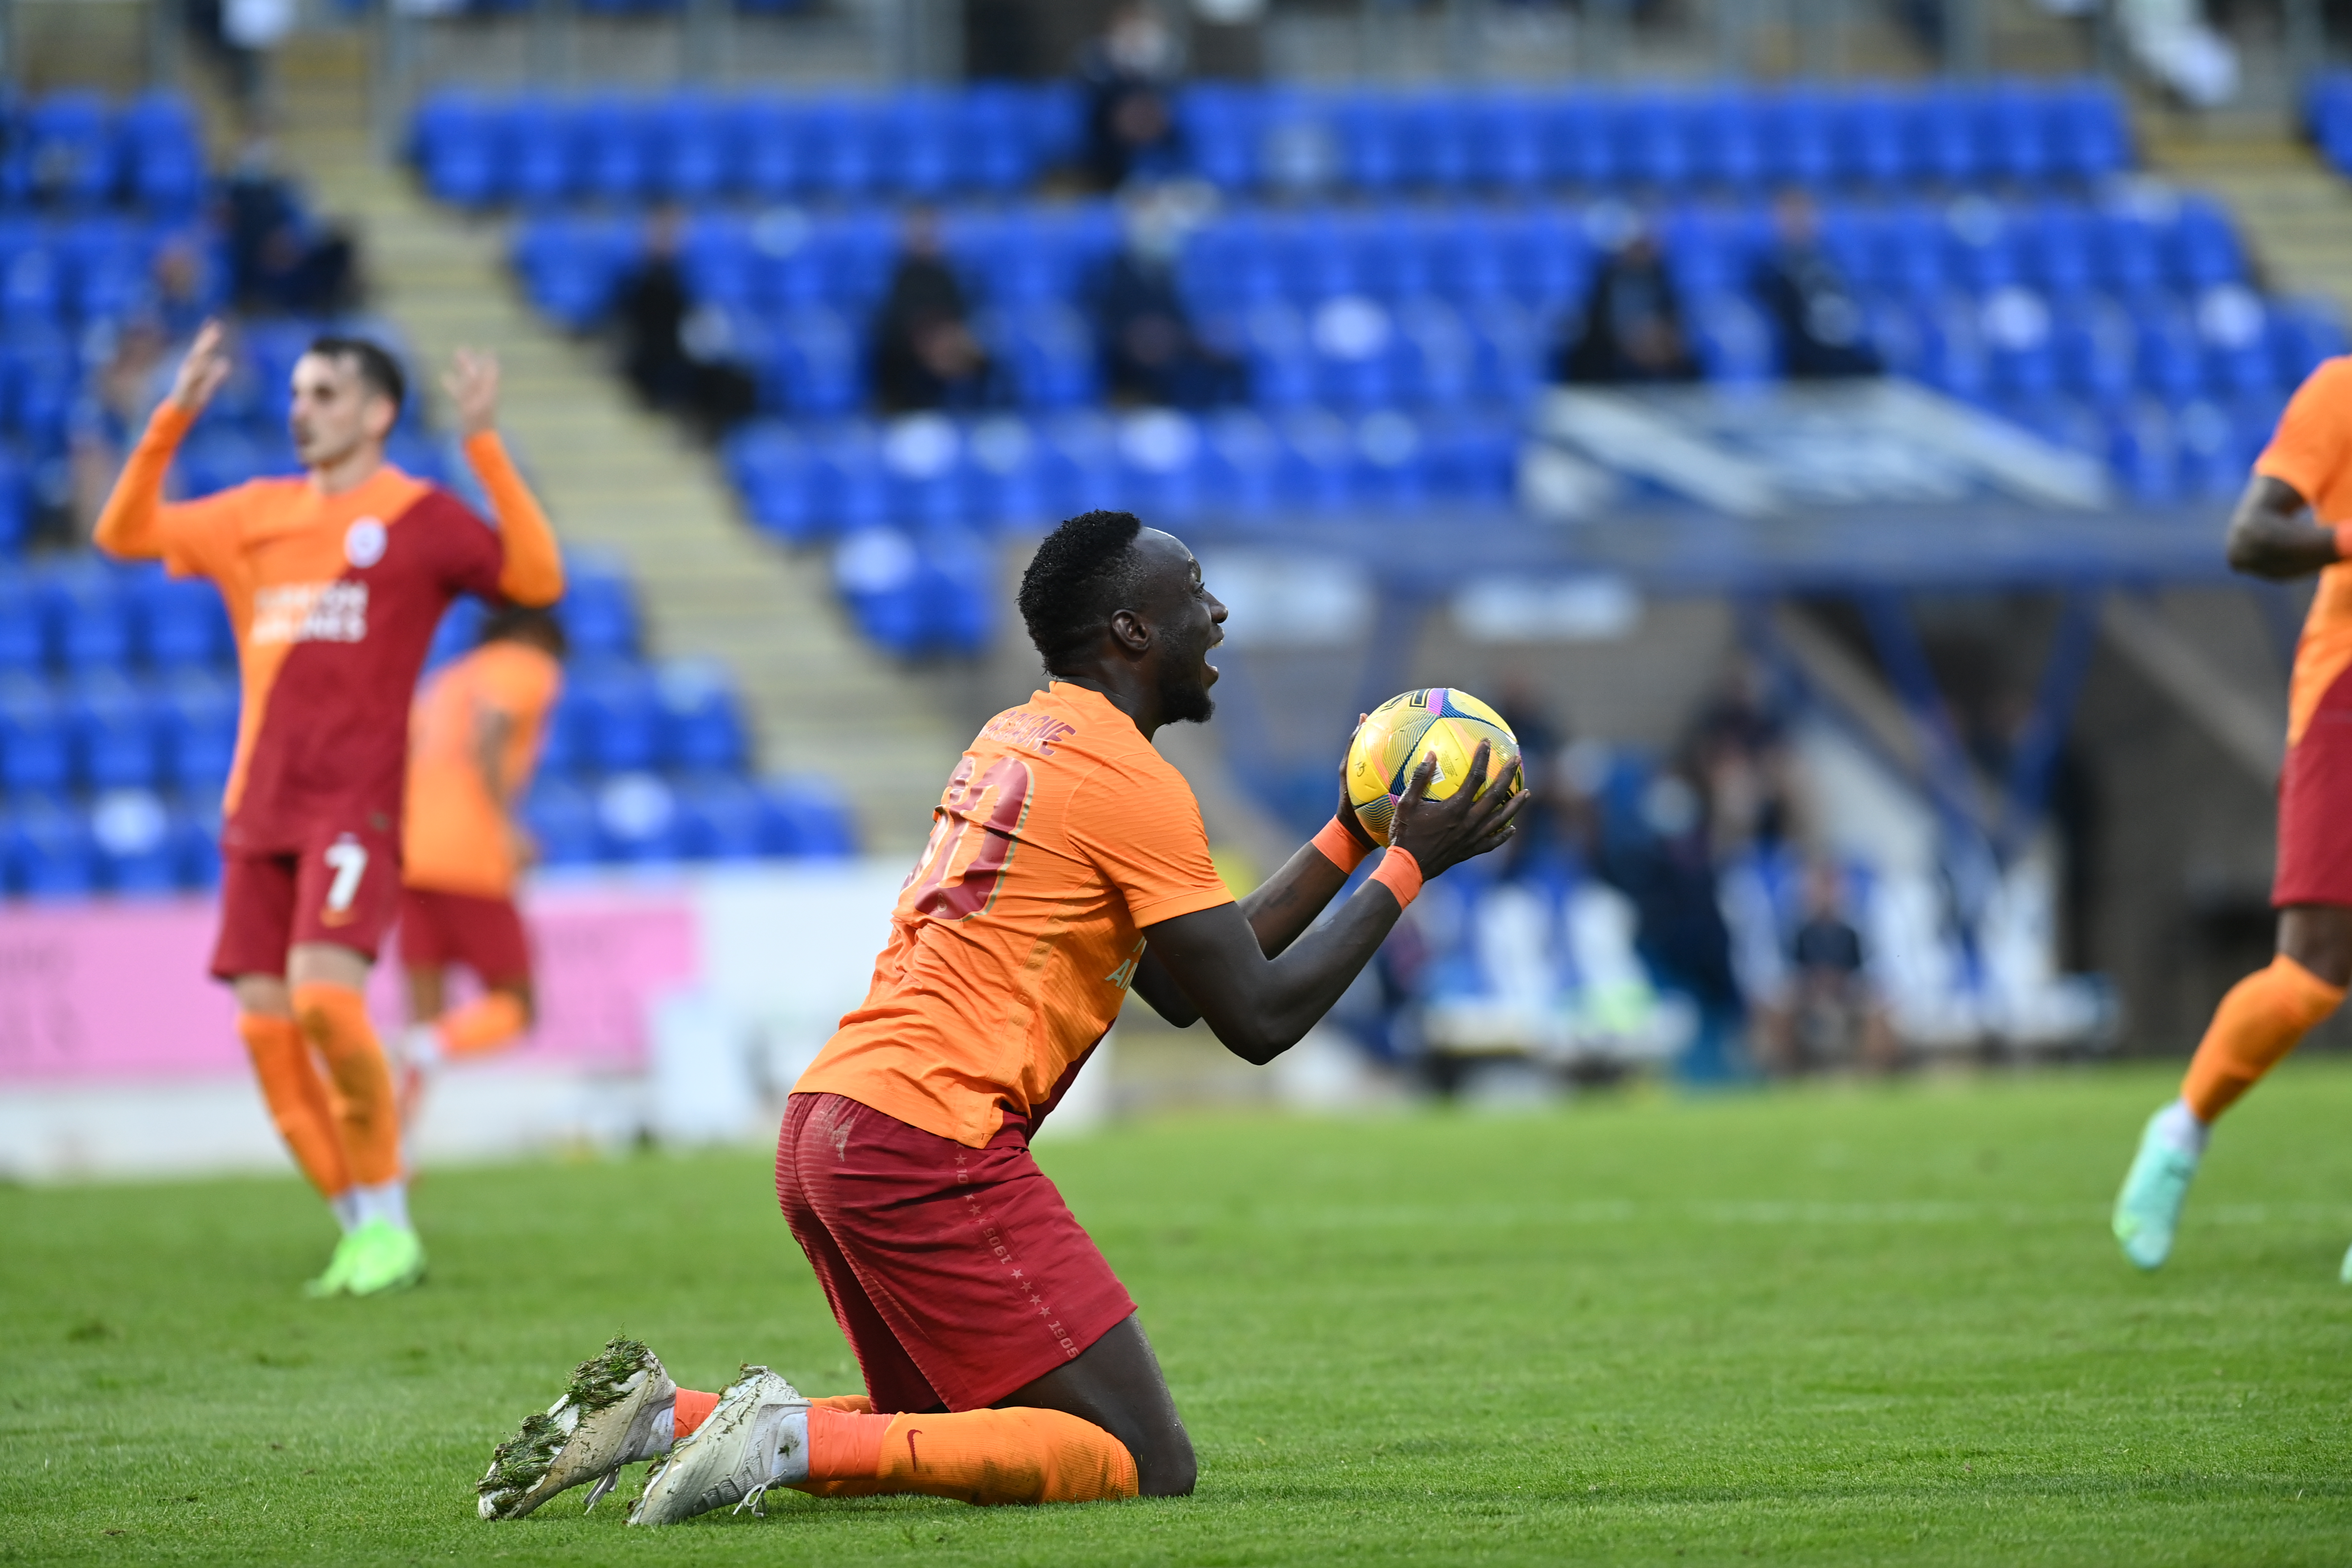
x,y
572,265
195,832
36,745
1797,129
1002,482
137,843
162,148
638,820
16,509
2017,136
1878,137
616,155
544,162
2235,330
1241,462
622,714
991,138
703,717
805,819
1507,148
114,736
1585,142
2089,136
2303,334
1160,453
88,612
24,636
178,621
562,817
723,818
1392,462
2127,247
194,718
922,455
1221,128
46,850
769,465
2141,453
916,152
2203,246
844,142
818,365
462,144
1051,351
767,133
1659,145
692,148
2096,348
599,612
73,151
2057,247
2172,357
565,740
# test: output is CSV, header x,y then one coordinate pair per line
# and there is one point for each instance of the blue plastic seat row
x,y
1523,139
88,615
92,270
475,150
647,818
126,841
76,149
927,471
617,717
106,732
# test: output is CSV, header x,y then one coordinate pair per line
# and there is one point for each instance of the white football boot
x,y
756,1438
616,1412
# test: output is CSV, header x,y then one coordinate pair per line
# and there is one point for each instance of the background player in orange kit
x,y
2294,518
473,739
1003,1361
334,584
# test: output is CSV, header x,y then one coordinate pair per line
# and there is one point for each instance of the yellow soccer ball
x,y
1395,737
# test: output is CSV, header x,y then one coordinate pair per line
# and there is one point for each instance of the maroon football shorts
x,y
958,1275
485,935
2315,833
341,888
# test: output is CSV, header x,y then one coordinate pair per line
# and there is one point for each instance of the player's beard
x,y
1184,689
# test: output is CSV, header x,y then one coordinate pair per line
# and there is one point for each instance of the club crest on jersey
x,y
363,542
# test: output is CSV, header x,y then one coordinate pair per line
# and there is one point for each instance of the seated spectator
x,y
280,260
925,353
1151,353
178,295
1664,862
1633,325
677,357
1129,73
1832,1012
133,375
1800,289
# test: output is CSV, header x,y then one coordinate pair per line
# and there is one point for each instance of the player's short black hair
x,y
1083,570
525,623
377,367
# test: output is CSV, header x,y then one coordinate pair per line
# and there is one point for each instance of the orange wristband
x,y
1399,873
2342,531
1339,846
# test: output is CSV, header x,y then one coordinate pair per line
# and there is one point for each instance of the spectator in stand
x,y
1738,747
925,353
113,408
280,260
1804,293
1664,863
1152,353
1632,329
679,357
1830,1012
1129,74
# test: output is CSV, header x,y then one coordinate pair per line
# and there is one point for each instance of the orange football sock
x,y
482,1024
298,1101
692,1409
335,1019
980,1456
2257,1024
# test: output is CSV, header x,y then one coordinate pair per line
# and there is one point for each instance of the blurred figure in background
x,y
1633,325
474,737
925,353
1830,1012
1801,289
1129,74
1151,353
114,405
1664,863
677,355
280,260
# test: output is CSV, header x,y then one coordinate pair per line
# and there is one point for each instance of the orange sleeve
x,y
2307,449
533,573
1142,830
138,524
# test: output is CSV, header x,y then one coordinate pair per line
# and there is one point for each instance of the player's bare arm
x,y
1260,1007
472,383
2273,535
201,374
131,525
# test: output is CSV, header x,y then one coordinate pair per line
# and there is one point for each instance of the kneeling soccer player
x,y
1067,863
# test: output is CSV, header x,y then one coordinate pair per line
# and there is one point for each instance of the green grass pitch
x,y
1836,1325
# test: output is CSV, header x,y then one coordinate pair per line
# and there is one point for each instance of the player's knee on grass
x,y
1115,1383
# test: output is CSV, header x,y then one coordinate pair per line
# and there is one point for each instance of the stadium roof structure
x,y
1878,484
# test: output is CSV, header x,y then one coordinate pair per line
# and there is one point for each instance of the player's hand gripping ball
x,y
1395,736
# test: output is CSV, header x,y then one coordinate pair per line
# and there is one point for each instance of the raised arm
x,y
533,573
1259,1001
2273,535
132,527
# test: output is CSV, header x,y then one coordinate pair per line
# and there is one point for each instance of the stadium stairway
x,y
2295,212
618,478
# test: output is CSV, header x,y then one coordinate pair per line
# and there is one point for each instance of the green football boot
x,y
389,1257
338,1276
2147,1211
